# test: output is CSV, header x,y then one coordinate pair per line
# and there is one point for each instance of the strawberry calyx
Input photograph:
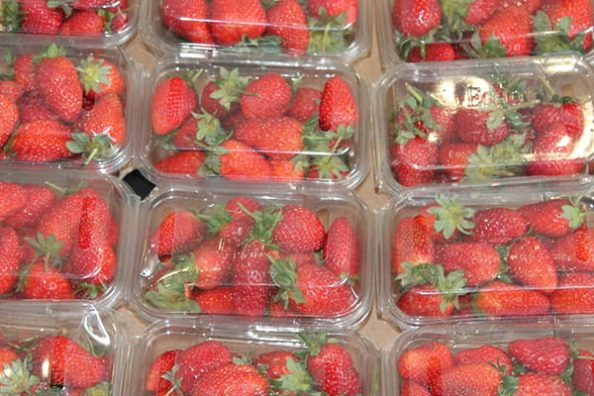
x,y
95,148
406,44
172,288
314,341
417,117
509,386
102,389
265,222
16,378
10,16
328,33
550,96
504,159
64,191
298,381
93,73
7,66
492,48
89,290
451,216
63,4
283,273
268,44
47,247
215,218
555,39
231,86
51,52
454,12
208,129
575,212
174,380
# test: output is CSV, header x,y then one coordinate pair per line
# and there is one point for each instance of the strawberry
x,y
101,77
479,261
199,360
173,102
32,108
41,283
583,372
487,354
299,230
543,355
7,356
24,72
41,141
218,301
473,13
266,97
188,19
251,280
9,119
338,106
416,17
178,232
58,84
473,127
287,20
575,294
508,33
62,361
182,162
414,162
334,8
434,52
186,136
498,225
83,23
106,119
529,5
554,218
531,384
13,198
232,379
341,250
11,90
411,243
532,264
212,105
503,299
278,138
157,378
473,379
238,206
409,388
426,363
579,13
454,159
447,218
287,170
275,364
95,265
38,200
570,114
553,151
212,260
306,104
39,17
11,252
234,19
575,252
240,162
425,301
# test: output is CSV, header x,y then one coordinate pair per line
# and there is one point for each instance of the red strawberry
x,y
238,206
475,12
236,231
426,363
199,360
579,11
96,265
212,105
43,283
218,301
7,356
553,151
341,251
278,138
409,388
575,294
39,17
106,118
233,19
454,158
575,252
487,354
24,72
101,77
512,28
531,384
349,8
529,5
10,249
583,372
38,200
434,52
11,90
532,264
305,104
9,119
543,355
479,261
554,218
416,17
425,301
232,379
338,106
185,138
83,23
240,162
274,363
41,141
503,299
411,243
212,260
94,222
13,198
267,97
286,170
32,108
173,102
160,367
473,379
498,225
299,230
447,218
414,162
571,115
251,280
188,19
472,126
287,20
178,232
183,163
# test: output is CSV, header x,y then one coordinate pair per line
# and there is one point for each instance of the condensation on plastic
x,y
328,207
411,203
461,87
313,75
165,336
131,102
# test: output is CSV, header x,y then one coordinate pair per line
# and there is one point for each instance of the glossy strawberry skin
x,y
544,355
278,138
485,354
498,225
288,20
575,252
176,233
426,363
251,280
173,101
232,379
201,359
472,379
306,104
60,87
242,162
299,230
39,18
83,23
532,264
411,243
512,27
268,96
338,105
575,294
182,163
9,119
187,19
39,200
232,19
502,299
424,301
414,162
42,141
472,128
332,368
416,17
546,218
341,251
155,382
213,260
11,252
479,261
218,301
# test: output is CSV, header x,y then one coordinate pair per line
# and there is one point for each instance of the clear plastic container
x,y
460,256
442,31
274,260
287,31
65,237
484,123
60,350
262,122
81,23
359,363
67,107
493,345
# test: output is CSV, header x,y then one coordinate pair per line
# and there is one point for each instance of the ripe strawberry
x,y
447,218
341,250
185,138
41,141
95,265
182,162
503,299
571,115
106,118
575,294
274,363
199,360
240,162
32,108
178,232
487,354
553,152
83,23
473,379
287,20
554,218
188,19
472,126
238,206
287,170
236,231
156,380
233,19
299,230
426,363
251,280
62,361
212,260
532,264
331,367
454,158
411,243
510,27
39,17
306,104
278,138
575,252
579,11
479,261
218,301
232,379
13,198
7,356
38,200
58,84
499,225
434,52
41,283
173,102
474,13
531,384
529,5
9,119
10,249
24,72
267,97
11,90
425,301
212,105
414,162
101,77
333,8
543,355
409,388
416,17
583,372
338,106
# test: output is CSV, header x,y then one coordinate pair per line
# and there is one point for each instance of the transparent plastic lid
x,y
485,123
